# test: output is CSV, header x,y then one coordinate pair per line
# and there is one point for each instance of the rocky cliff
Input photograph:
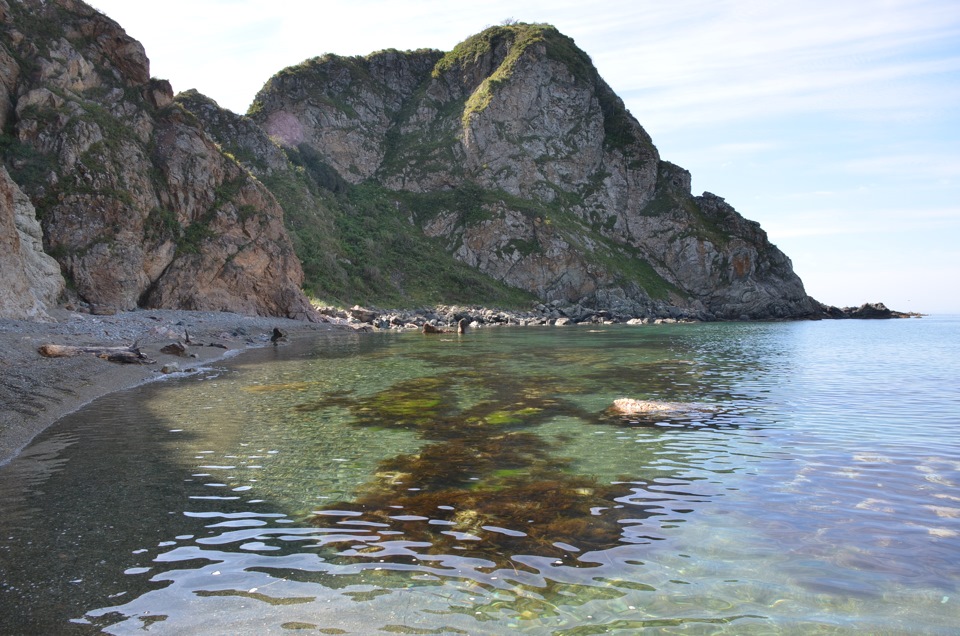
x,y
501,172
561,191
30,280
137,204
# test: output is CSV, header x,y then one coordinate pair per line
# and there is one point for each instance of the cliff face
x,y
30,280
566,195
138,205
502,171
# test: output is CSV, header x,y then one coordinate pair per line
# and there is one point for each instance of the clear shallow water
x,y
396,483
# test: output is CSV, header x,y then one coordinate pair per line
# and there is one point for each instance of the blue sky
x,y
834,123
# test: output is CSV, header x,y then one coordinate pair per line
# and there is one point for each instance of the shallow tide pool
x,y
789,478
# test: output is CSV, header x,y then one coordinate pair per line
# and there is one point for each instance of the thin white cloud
x,y
735,60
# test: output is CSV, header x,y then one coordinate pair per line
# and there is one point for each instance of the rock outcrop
x,y
138,205
301,195
30,280
504,169
562,192
866,311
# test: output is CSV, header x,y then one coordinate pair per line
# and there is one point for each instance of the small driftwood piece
x,y
127,355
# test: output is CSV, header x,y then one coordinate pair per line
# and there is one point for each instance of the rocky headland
x,y
503,173
137,205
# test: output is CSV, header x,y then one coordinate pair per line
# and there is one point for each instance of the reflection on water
x,y
387,483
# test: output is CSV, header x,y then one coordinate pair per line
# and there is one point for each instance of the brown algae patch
x,y
493,497
486,485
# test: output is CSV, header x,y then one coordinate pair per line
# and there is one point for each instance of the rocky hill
x,y
502,172
520,159
137,204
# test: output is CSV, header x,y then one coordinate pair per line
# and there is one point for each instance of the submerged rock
x,y
653,408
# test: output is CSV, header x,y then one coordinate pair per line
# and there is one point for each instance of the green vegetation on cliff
x,y
391,262
512,41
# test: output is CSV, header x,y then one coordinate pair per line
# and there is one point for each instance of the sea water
x,y
785,478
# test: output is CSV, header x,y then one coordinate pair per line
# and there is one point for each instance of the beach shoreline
x,y
36,391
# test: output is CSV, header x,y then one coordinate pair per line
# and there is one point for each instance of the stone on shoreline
x,y
451,317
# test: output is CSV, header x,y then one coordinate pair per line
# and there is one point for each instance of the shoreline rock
x,y
868,311
553,314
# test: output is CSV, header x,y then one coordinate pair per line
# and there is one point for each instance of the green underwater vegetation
x,y
486,485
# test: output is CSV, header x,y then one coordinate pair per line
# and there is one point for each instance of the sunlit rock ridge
x,y
504,171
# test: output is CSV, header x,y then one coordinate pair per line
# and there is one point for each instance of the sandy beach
x,y
36,391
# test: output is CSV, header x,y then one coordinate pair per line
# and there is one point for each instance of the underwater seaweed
x,y
487,485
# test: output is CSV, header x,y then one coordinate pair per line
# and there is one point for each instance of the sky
x,y
833,123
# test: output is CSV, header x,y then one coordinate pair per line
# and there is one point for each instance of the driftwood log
x,y
128,355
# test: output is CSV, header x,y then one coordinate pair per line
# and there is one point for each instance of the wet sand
x,y
36,391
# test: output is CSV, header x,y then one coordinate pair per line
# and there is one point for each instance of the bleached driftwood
x,y
127,355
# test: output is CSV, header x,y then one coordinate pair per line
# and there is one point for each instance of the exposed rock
x,y
631,406
559,190
361,314
508,161
298,188
360,97
241,135
30,281
175,349
868,311
140,207
652,411
102,310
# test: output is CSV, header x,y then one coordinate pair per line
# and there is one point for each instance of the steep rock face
x,y
30,281
299,192
343,107
237,134
138,205
571,200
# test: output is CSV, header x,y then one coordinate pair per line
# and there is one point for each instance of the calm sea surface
x,y
793,478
